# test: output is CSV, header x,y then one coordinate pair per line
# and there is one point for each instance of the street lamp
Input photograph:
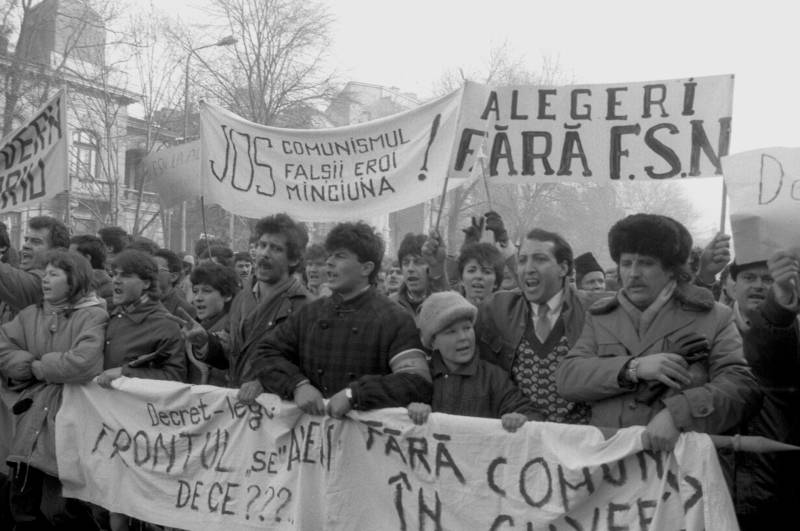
x,y
226,41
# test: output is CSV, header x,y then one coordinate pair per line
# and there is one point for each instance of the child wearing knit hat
x,y
464,384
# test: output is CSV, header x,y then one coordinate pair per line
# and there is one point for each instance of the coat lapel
x,y
669,320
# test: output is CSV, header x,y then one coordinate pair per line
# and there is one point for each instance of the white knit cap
x,y
439,311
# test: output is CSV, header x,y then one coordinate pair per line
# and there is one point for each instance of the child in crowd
x,y
464,384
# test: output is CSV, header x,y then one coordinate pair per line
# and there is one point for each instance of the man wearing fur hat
x,y
660,353
589,275
464,384
528,331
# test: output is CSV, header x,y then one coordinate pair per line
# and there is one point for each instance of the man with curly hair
x,y
273,293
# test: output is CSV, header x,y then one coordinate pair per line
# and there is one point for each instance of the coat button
x,y
632,405
355,330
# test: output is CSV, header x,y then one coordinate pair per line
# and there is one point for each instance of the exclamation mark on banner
x,y
434,130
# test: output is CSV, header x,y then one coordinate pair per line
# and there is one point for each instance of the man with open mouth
x,y
355,347
423,274
529,330
267,299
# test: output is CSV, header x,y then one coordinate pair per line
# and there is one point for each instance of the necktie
x,y
543,323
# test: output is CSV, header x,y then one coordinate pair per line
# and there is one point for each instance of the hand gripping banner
x,y
193,457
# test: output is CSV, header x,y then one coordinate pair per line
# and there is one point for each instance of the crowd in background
x,y
671,337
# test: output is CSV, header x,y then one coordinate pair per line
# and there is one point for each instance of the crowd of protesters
x,y
673,338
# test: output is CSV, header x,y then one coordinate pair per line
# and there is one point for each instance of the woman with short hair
x,y
213,289
45,346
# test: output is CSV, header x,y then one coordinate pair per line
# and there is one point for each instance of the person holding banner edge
x,y
356,348
661,352
272,295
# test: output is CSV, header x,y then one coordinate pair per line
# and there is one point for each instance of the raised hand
x,y
715,257
784,267
494,223
191,330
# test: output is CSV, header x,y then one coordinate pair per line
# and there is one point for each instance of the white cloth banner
x,y
764,190
195,458
34,158
328,174
174,173
593,133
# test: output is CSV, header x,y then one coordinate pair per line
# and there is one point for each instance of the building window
x,y
85,151
84,165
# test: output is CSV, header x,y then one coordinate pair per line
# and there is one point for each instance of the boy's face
x,y
456,344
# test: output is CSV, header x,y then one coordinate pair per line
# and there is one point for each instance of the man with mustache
x,y
273,294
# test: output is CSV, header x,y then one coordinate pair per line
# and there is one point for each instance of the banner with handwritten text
x,y
193,457
594,133
764,190
34,166
328,174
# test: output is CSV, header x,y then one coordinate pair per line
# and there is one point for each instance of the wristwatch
x,y
632,372
348,393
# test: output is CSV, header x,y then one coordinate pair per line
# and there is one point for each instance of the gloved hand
x,y
692,347
473,233
495,224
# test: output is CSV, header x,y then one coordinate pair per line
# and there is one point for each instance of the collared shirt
x,y
554,305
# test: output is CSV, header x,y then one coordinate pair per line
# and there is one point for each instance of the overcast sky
x,y
410,43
